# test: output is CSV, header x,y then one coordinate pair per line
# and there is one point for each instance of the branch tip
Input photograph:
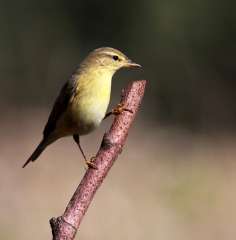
x,y
65,226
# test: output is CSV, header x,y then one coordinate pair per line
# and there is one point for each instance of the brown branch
x,y
65,226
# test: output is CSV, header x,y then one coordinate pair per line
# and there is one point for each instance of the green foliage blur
x,y
187,49
175,178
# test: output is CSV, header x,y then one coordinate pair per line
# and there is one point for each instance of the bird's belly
x,y
88,107
88,113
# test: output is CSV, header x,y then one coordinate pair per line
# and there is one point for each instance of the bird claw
x,y
90,163
120,108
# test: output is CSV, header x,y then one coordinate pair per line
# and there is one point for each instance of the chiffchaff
x,y
83,100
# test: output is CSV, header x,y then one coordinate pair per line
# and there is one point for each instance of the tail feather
x,y
36,153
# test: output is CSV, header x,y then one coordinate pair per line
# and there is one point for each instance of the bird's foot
x,y
90,163
118,110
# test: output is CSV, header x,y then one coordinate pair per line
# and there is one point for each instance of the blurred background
x,y
176,176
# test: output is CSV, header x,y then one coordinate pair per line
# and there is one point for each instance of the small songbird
x,y
84,98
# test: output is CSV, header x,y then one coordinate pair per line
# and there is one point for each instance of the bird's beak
x,y
131,64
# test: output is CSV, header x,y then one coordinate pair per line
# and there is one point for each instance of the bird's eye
x,y
115,57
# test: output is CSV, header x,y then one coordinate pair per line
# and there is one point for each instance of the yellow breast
x,y
91,100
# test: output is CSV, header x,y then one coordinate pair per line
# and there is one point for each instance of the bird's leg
x,y
118,110
89,163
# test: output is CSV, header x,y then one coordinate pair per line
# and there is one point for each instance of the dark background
x,y
187,49
175,178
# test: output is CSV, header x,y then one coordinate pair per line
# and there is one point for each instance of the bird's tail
x,y
42,145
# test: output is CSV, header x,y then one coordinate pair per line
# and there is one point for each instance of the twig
x,y
65,226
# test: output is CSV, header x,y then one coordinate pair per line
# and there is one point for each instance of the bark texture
x,y
65,226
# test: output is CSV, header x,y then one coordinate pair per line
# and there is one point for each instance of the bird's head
x,y
108,59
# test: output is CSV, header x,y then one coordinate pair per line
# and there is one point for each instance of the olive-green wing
x,y
59,107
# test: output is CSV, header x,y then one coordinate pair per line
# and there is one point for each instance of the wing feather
x,y
59,107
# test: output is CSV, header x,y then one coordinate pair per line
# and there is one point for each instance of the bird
x,y
83,100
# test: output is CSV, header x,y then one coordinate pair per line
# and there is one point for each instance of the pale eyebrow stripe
x,y
110,53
